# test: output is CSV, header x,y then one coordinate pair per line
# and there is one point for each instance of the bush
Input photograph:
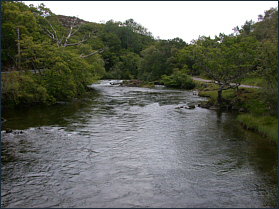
x,y
270,96
178,79
22,89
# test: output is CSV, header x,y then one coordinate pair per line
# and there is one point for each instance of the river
x,y
130,147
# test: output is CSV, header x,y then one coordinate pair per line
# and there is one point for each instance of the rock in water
x,y
192,106
8,130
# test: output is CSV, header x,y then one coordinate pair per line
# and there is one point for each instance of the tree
x,y
129,62
225,59
160,59
150,64
50,31
267,26
245,29
15,16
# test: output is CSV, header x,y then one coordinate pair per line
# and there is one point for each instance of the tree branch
x,y
96,52
49,34
53,36
73,44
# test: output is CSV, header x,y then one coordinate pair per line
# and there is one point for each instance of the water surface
x,y
130,147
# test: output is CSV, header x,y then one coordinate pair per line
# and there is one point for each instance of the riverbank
x,y
267,126
254,113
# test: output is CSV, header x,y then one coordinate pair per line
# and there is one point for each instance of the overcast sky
x,y
167,19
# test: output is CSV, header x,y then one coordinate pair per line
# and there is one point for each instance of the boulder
x,y
133,83
205,105
8,130
179,107
191,107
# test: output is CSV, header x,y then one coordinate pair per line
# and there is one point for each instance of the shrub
x,y
179,79
22,89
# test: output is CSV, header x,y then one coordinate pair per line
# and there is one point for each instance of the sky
x,y
167,19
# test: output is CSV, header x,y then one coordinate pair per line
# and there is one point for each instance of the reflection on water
x,y
130,147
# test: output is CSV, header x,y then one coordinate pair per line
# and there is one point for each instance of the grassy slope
x,y
257,118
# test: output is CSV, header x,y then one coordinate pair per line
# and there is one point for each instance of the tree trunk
x,y
219,98
18,49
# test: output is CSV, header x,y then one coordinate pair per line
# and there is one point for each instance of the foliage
x,y
13,15
59,74
270,97
133,53
226,59
267,62
22,89
159,59
267,26
123,38
178,78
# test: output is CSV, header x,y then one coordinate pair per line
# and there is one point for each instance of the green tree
x,y
129,64
160,59
13,15
267,26
245,29
149,66
225,59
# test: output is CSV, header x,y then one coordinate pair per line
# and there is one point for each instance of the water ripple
x,y
130,147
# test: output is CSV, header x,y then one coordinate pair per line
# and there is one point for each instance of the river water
x,y
130,147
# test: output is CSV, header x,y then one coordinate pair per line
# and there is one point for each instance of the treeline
x,y
68,53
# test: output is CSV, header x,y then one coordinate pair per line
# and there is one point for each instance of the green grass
x,y
265,125
213,93
253,81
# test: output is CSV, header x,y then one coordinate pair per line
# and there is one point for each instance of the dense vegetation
x,y
66,54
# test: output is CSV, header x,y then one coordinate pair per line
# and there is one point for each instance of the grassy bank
x,y
265,125
257,116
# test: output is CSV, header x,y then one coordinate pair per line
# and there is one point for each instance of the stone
x,y
205,105
192,106
8,130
